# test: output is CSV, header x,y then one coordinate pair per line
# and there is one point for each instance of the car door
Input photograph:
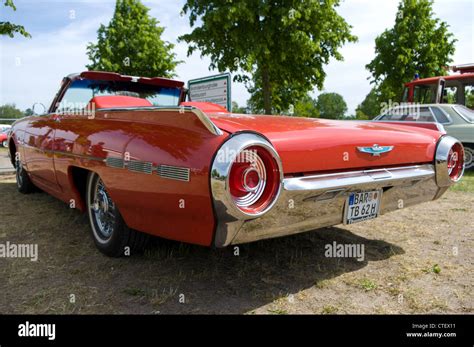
x,y
38,150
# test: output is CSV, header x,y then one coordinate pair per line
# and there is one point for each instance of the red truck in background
x,y
457,88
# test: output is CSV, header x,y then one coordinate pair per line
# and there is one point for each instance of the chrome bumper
x,y
313,202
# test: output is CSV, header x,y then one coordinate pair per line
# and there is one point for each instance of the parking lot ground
x,y
416,260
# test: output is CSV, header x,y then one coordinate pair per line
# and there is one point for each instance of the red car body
x,y
162,167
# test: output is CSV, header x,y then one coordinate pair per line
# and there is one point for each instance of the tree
x,y
331,106
306,107
418,43
370,107
29,112
131,44
237,109
10,111
279,46
10,29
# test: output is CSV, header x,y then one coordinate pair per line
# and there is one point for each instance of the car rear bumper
x,y
311,202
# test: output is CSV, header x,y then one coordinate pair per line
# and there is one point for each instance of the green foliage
x,y
470,99
10,111
131,44
237,109
10,29
368,284
360,115
418,43
278,47
370,107
331,106
306,107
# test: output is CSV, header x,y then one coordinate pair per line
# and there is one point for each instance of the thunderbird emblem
x,y
375,150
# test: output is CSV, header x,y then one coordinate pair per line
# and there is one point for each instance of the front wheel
x,y
111,235
23,182
468,158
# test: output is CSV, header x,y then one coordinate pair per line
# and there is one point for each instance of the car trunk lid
x,y
308,145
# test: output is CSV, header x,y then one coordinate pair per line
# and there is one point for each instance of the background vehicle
x,y
452,89
4,127
458,121
4,138
136,157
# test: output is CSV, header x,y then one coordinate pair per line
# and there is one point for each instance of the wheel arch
x,y
78,181
12,152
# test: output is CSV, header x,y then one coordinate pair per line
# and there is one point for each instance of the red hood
x,y
310,145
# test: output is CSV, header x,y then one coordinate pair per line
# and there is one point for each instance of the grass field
x,y
466,184
417,260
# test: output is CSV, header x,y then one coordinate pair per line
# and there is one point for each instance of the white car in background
x,y
458,120
4,127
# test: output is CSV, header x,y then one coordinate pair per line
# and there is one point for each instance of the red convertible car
x,y
140,160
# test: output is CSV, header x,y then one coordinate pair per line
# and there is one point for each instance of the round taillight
x,y
254,180
455,162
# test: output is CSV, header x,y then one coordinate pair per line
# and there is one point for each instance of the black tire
x,y
111,235
469,157
23,181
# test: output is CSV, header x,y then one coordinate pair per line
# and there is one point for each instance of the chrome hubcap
x,y
19,171
103,210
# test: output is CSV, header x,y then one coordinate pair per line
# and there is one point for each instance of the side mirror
x,y
38,109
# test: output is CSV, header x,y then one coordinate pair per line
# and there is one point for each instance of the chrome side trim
x,y
174,172
205,120
343,180
140,166
146,167
117,163
441,161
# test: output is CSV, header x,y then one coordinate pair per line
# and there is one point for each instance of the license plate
x,y
362,206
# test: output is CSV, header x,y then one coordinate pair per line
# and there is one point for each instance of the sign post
x,y
215,89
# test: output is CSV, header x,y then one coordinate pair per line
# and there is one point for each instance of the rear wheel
x,y
5,143
469,157
23,182
111,235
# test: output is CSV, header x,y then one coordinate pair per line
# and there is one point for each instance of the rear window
x,y
409,114
440,115
465,112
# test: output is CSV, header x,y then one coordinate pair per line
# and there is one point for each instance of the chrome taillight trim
x,y
441,161
225,208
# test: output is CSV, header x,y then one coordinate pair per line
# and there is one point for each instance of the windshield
x,y
465,112
80,93
424,93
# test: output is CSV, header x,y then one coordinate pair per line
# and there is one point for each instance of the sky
x,y
31,69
